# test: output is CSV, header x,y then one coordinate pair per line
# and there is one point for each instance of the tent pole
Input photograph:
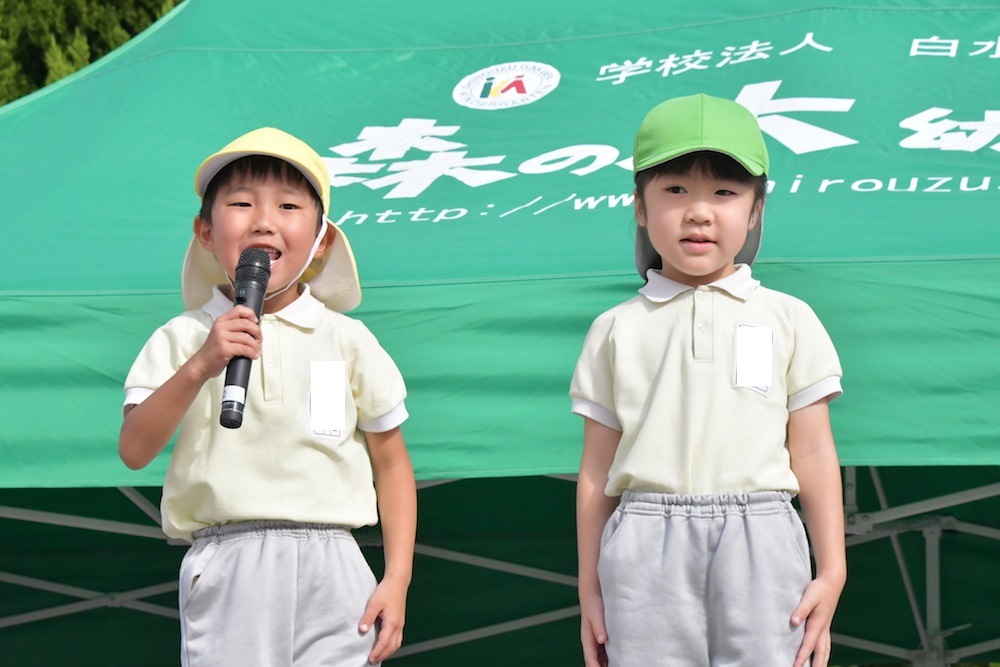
x,y
850,490
932,538
934,653
975,529
489,631
890,522
82,522
934,504
973,649
498,565
140,501
870,646
904,571
91,600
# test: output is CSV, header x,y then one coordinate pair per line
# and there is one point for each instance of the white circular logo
x,y
506,85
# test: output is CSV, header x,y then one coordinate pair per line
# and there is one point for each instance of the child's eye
x,y
289,206
675,189
725,193
244,204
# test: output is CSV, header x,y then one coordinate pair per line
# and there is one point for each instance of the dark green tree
x,y
42,41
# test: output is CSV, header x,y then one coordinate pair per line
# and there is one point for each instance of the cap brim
x,y
753,167
751,246
333,278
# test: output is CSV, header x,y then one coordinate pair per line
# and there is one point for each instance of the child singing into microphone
x,y
274,575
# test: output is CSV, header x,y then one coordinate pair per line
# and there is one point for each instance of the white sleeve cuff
x,y
601,415
386,422
826,387
136,395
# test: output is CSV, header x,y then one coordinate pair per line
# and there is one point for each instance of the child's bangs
x,y
257,168
708,163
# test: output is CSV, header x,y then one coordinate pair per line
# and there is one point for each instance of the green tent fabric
x,y
480,163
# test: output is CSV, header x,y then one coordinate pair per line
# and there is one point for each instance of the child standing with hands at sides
x,y
274,576
705,411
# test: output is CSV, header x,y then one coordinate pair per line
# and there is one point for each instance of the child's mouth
x,y
697,243
272,253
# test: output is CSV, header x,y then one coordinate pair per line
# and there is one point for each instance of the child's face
x,y
697,224
267,213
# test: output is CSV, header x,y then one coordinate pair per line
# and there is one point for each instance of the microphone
x,y
252,274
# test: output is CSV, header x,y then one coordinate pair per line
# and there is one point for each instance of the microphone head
x,y
255,265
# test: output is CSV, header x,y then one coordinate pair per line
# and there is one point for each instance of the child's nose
x,y
699,212
262,223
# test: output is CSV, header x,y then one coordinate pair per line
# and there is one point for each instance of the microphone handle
x,y
234,393
249,293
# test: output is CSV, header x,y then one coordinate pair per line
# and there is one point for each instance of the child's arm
x,y
148,426
397,502
815,464
593,508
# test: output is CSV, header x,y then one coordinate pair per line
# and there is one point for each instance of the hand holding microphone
x,y
252,274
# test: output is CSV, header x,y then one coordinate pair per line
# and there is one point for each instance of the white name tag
x,y
327,397
754,357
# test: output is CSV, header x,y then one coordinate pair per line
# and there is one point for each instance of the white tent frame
x,y
888,523
861,527
90,599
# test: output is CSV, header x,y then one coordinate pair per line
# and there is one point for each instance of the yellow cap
x,y
332,278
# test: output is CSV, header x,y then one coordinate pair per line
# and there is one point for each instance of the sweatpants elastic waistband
x,y
760,502
272,527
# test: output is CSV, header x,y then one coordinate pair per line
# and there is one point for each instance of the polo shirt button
x,y
701,326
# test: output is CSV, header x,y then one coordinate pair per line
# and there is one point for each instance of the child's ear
x,y
329,238
640,209
203,232
755,215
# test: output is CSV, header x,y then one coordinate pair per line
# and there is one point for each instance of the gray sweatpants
x,y
703,581
273,594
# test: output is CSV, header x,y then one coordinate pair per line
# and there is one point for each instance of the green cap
x,y
698,123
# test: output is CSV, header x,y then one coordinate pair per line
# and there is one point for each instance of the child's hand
x,y
388,605
235,334
593,634
819,601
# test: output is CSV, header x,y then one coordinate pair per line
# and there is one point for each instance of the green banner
x,y
481,167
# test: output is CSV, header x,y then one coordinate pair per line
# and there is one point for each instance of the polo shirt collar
x,y
660,289
305,312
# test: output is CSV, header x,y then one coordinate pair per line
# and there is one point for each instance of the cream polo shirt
x,y
700,382
319,371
